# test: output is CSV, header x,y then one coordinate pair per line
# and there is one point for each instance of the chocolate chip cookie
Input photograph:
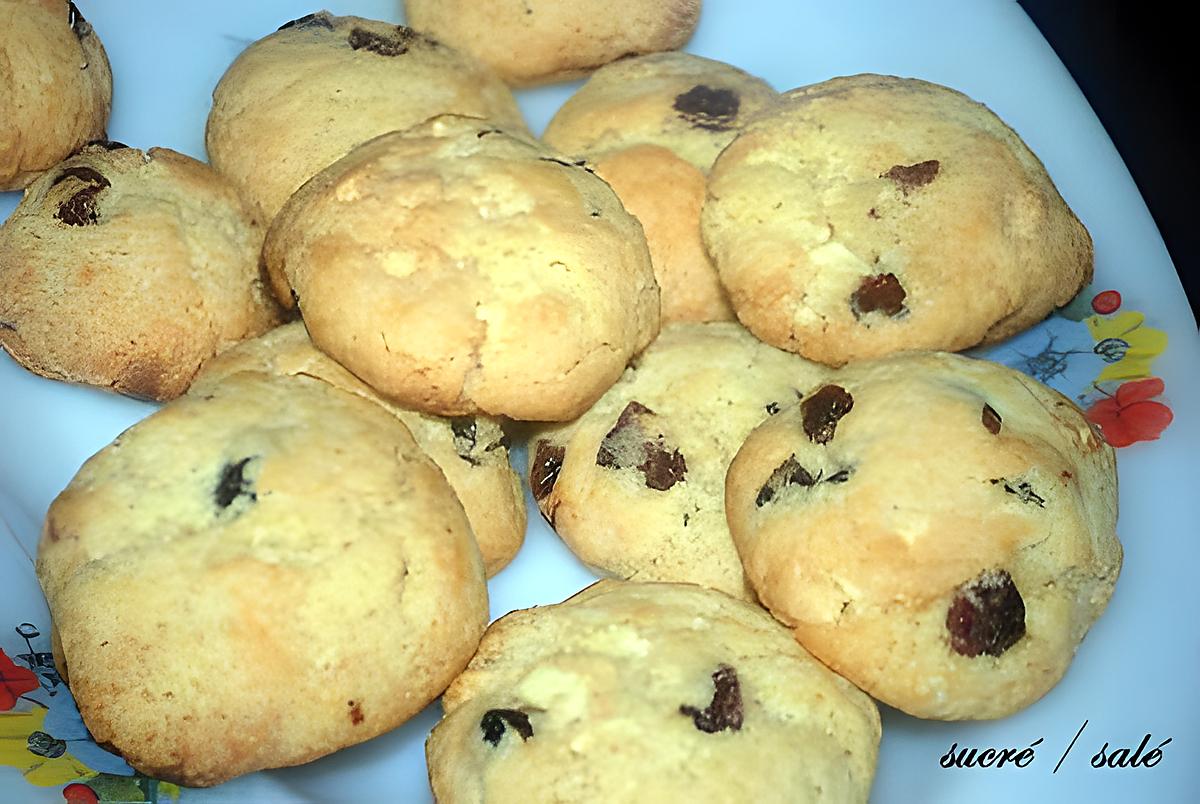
x,y
842,237
55,87
128,269
690,105
635,486
538,41
257,576
939,530
650,692
300,99
472,451
458,269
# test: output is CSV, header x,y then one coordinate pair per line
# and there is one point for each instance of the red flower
x,y
1129,416
14,682
76,793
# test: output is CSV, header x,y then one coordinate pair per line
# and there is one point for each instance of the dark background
x,y
1123,56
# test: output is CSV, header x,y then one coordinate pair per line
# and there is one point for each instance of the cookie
x,y
650,692
257,576
636,486
300,99
471,451
938,530
844,239
460,269
690,105
539,41
665,194
128,269
55,87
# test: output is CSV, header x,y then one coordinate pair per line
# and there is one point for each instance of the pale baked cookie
x,y
939,530
665,194
538,41
472,451
690,105
636,486
461,269
842,237
303,97
650,692
128,269
55,87
257,576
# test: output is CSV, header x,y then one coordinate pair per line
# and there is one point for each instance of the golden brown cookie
x,y
650,692
257,576
843,238
55,87
128,269
939,530
300,99
459,269
538,41
472,451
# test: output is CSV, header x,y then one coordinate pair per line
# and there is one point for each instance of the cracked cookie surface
x,y
301,98
128,270
939,530
844,239
636,485
472,451
267,550
460,269
650,692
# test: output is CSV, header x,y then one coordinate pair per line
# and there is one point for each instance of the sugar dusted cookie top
x,y
650,692
871,214
458,269
939,530
300,99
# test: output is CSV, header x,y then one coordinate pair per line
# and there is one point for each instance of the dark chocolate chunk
x,y
840,477
319,20
397,44
725,711
822,410
991,419
84,174
772,408
233,484
492,724
788,473
547,463
108,145
910,177
630,444
987,615
464,431
78,24
578,163
708,108
80,209
882,293
1026,494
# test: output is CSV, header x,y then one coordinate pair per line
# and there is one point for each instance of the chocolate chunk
x,y
910,177
78,24
319,20
84,174
356,715
788,473
578,163
8,325
492,724
822,410
987,615
725,711
630,444
991,419
464,431
840,477
708,108
882,293
108,145
547,463
80,209
1026,494
395,45
233,484
772,408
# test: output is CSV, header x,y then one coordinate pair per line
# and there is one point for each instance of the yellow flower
x,y
1127,346
15,728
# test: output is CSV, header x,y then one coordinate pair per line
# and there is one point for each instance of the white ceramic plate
x,y
1136,672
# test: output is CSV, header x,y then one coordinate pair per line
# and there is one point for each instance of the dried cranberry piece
x,y
987,615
